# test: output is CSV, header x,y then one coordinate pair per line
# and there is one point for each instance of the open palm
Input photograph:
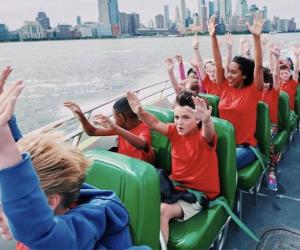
x,y
258,24
134,102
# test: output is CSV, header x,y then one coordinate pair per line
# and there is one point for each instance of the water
x,y
92,71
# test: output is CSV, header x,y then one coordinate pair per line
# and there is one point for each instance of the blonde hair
x,y
61,169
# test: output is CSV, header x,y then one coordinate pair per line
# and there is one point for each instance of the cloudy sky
x,y
14,12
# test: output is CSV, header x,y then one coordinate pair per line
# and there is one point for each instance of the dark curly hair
x,y
247,68
268,77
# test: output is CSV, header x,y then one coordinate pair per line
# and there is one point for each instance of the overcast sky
x,y
14,12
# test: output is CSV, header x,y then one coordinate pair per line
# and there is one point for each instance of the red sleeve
x,y
206,81
257,93
171,131
145,134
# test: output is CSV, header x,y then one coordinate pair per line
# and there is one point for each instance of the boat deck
x,y
275,209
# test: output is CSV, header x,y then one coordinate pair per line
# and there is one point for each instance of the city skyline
x,y
66,11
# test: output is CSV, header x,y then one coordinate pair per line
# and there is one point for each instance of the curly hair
x,y
247,68
268,77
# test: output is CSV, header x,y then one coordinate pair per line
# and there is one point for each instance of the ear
x,y
122,117
244,77
197,121
54,200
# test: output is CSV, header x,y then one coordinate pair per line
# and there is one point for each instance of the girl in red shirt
x,y
242,92
270,96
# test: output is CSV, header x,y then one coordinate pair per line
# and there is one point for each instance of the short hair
x,y
122,107
191,71
268,77
247,67
60,168
208,62
284,67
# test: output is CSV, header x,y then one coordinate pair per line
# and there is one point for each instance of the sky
x,y
14,12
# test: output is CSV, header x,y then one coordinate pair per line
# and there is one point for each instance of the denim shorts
x,y
244,157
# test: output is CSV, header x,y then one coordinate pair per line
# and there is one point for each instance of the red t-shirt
x,y
125,148
194,162
211,87
20,246
271,98
290,88
239,106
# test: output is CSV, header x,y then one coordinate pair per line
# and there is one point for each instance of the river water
x,y
92,71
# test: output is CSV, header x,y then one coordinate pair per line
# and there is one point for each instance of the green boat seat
x,y
161,143
249,178
136,183
213,102
297,106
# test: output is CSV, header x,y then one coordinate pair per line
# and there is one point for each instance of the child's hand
x,y
212,26
179,58
3,76
74,108
242,39
103,121
220,41
296,50
134,102
246,45
229,39
8,100
194,64
275,48
200,112
258,24
196,41
170,64
264,39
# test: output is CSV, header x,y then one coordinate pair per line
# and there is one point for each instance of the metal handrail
x,y
77,134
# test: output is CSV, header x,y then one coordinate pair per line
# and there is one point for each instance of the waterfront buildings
x,y
159,21
225,10
78,20
241,8
3,32
103,10
210,8
183,10
43,20
31,30
177,15
167,17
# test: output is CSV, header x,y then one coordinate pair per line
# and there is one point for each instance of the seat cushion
x,y
293,125
248,176
279,141
198,232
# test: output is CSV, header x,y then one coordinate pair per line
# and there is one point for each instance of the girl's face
x,y
266,87
207,68
235,76
285,75
4,229
212,73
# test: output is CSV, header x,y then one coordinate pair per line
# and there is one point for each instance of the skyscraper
x,y
196,18
188,13
159,21
203,19
103,10
114,17
241,8
183,11
123,23
167,17
78,19
43,20
217,6
210,8
225,10
177,15
265,12
201,2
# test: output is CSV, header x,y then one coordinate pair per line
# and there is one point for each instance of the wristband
x,y
248,54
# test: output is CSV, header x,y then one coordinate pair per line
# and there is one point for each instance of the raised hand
x,y
258,24
196,41
201,112
74,108
134,102
7,102
229,39
193,62
3,76
103,121
264,39
296,50
211,25
220,41
179,58
242,39
170,64
246,45
275,48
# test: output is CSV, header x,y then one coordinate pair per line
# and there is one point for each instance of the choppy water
x,y
92,71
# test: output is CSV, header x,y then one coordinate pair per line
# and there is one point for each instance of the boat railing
x,y
161,89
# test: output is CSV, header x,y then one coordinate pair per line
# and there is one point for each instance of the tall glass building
x,y
114,12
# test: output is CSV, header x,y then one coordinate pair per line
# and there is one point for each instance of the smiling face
x,y
235,76
212,73
266,87
207,65
285,75
185,122
4,229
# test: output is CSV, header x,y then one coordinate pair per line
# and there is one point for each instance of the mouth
x,y
180,129
230,81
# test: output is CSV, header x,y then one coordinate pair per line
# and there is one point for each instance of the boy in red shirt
x,y
194,159
134,137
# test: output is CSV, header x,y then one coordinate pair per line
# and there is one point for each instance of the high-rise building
x,y
103,10
217,6
203,19
151,24
3,32
123,23
225,10
267,26
201,2
265,12
183,11
114,17
32,30
210,8
241,8
196,19
188,13
167,17
136,21
159,21
177,15
43,20
78,19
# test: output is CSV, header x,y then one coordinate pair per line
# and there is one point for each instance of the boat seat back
x,y
284,111
137,185
161,143
213,102
297,102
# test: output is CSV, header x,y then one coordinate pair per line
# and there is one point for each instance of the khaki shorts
x,y
189,209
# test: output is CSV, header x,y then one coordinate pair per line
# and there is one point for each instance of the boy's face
x,y
185,122
285,75
4,229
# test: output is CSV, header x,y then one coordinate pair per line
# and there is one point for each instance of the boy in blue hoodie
x,y
43,195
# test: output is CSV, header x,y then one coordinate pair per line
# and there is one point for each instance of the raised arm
x,y
275,49
296,50
216,51
181,67
148,118
3,77
229,41
247,47
203,114
241,48
88,128
264,41
196,44
170,67
256,30
270,58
